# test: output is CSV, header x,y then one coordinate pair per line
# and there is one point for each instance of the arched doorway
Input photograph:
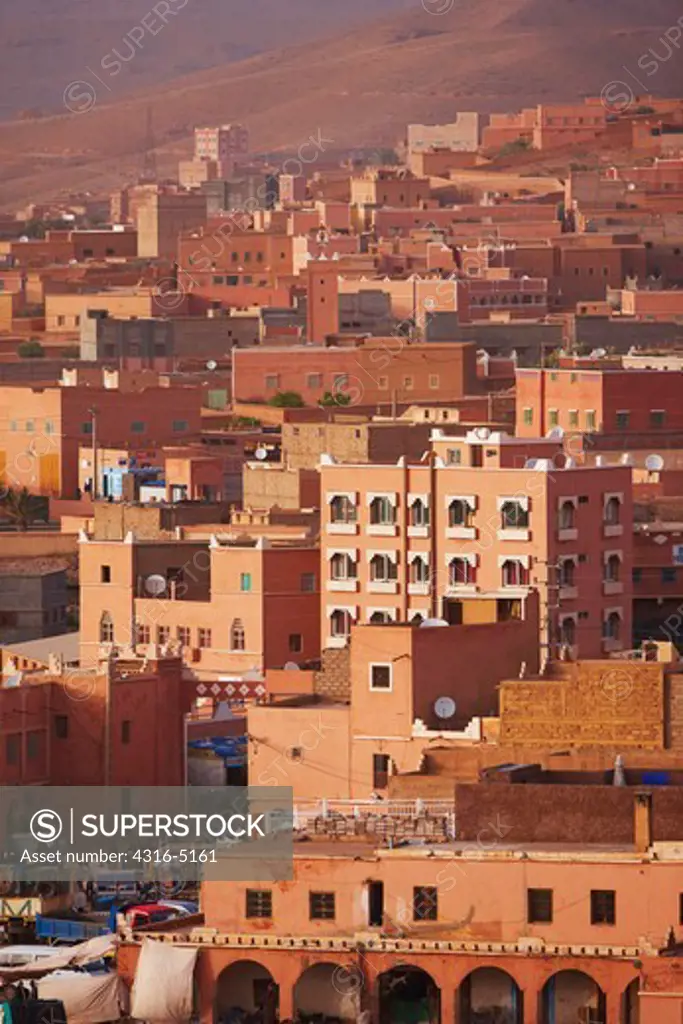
x,y
630,1004
323,993
490,995
246,987
572,996
408,995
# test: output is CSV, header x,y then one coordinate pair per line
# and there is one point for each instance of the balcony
x,y
612,530
610,644
610,587
461,532
569,593
382,587
514,533
342,528
570,533
418,531
382,529
419,589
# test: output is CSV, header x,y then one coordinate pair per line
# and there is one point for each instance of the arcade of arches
x,y
431,988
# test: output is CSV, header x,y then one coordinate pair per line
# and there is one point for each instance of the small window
x,y
453,456
383,383
657,417
142,634
380,677
13,748
380,771
184,636
434,380
137,427
272,381
163,634
204,638
603,906
126,729
237,636
245,582
528,416
86,428
623,420
573,417
180,426
637,575
590,419
321,906
553,417
105,574
539,906
314,380
668,574
382,512
425,903
61,727
259,903
307,582
33,742
408,383
296,644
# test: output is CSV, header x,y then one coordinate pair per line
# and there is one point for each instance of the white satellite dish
x,y
212,364
291,666
429,623
653,463
444,707
155,585
483,433
261,454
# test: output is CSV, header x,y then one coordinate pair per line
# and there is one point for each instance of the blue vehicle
x,y
70,929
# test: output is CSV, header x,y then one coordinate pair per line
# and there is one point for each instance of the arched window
x,y
459,513
342,509
460,572
237,638
419,513
514,573
340,623
568,632
382,569
613,512
342,567
382,512
419,571
513,516
106,629
567,572
377,618
612,626
612,569
566,516
417,618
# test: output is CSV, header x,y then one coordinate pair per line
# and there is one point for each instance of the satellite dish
x,y
291,666
261,454
155,585
483,433
444,707
653,463
429,623
212,364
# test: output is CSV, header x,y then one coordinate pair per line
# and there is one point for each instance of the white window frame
x,y
381,689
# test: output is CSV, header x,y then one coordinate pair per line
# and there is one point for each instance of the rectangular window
x,y
314,380
622,420
30,426
408,383
528,416
434,380
204,638
137,427
61,727
105,574
637,575
272,381
33,745
539,906
126,728
553,417
590,419
86,428
259,903
425,903
307,582
321,906
180,426
296,644
573,417
657,417
13,748
142,634
380,677
668,575
163,634
380,771
383,383
603,906
184,636
453,456
49,427
245,582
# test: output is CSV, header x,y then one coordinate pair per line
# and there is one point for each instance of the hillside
x,y
358,88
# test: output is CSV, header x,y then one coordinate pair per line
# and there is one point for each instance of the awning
x,y
162,990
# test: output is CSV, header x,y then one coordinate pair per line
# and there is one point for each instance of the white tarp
x,y
64,957
87,998
162,990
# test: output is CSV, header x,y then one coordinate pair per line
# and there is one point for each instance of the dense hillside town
x,y
357,475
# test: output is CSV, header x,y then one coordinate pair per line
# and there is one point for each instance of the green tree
x,y
31,349
334,398
287,400
23,508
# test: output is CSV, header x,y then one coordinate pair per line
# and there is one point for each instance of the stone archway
x,y
246,987
630,1003
572,996
408,995
323,993
489,995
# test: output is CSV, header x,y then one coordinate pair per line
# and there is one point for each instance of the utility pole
x,y
93,421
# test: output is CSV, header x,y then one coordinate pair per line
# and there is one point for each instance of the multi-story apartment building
x,y
221,144
484,516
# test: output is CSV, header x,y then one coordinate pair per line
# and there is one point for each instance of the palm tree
x,y
20,507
